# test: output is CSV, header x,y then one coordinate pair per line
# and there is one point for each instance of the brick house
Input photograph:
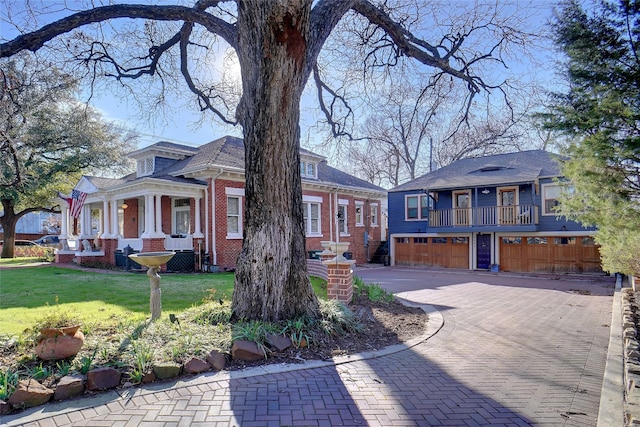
x,y
487,212
191,200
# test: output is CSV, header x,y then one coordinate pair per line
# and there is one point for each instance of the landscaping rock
x,y
279,343
103,378
196,366
148,378
60,347
246,350
30,393
217,360
168,370
69,386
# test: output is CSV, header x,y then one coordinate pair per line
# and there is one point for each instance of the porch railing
x,y
484,216
178,243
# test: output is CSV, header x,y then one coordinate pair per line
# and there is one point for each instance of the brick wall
x,y
229,249
131,219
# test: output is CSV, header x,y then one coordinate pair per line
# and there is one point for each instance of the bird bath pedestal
x,y
154,260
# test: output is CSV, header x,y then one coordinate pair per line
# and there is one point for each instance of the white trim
x,y
174,212
373,206
500,190
235,195
312,199
543,190
233,191
307,216
343,201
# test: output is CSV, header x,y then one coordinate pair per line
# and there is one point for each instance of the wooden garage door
x,y
549,254
449,252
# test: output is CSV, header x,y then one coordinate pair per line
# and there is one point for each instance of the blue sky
x,y
180,125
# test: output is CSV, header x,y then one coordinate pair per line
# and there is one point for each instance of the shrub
x,y
337,318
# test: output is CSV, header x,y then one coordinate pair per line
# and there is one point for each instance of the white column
x,y
106,225
198,231
148,216
114,219
100,222
158,229
64,226
84,230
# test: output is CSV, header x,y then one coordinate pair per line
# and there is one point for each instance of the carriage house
x,y
493,212
191,200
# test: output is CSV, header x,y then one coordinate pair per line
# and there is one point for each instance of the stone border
x,y
435,322
611,408
630,337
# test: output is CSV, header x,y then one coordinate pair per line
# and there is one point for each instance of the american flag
x,y
76,201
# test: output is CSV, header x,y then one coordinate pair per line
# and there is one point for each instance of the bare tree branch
x,y
36,39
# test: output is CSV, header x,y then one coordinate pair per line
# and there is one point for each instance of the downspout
x,y
214,249
206,222
331,214
336,218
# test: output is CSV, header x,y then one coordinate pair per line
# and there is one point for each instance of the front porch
x,y
109,227
485,216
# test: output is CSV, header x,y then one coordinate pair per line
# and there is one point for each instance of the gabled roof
x,y
171,149
510,168
228,153
329,175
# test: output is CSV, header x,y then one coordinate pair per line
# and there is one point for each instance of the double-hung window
x,y
312,225
416,206
374,214
234,212
342,217
551,198
359,214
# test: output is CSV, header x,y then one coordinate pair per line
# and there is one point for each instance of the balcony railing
x,y
484,216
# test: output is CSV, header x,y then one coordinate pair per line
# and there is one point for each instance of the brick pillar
x,y
340,281
109,247
153,245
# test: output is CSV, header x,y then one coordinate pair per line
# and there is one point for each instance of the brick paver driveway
x,y
513,350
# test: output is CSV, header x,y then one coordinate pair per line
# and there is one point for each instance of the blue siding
x,y
397,223
526,196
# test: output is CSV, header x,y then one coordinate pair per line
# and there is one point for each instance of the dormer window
x,y
308,169
145,166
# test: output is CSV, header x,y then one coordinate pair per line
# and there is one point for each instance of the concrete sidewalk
x,y
500,350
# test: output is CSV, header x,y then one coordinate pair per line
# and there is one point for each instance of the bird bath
x,y
153,260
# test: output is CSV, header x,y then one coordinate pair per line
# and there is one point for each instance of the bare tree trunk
x,y
8,221
272,281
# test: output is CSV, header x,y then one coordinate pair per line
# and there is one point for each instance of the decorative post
x,y
153,260
340,276
155,300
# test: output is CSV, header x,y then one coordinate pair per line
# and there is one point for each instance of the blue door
x,y
484,251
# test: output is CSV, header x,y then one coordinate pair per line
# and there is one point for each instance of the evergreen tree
x,y
600,113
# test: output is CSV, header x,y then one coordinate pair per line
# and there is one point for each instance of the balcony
x,y
486,216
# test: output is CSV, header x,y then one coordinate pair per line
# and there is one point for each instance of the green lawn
x,y
28,293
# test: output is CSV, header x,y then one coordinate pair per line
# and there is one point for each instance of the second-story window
x,y
308,169
418,206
